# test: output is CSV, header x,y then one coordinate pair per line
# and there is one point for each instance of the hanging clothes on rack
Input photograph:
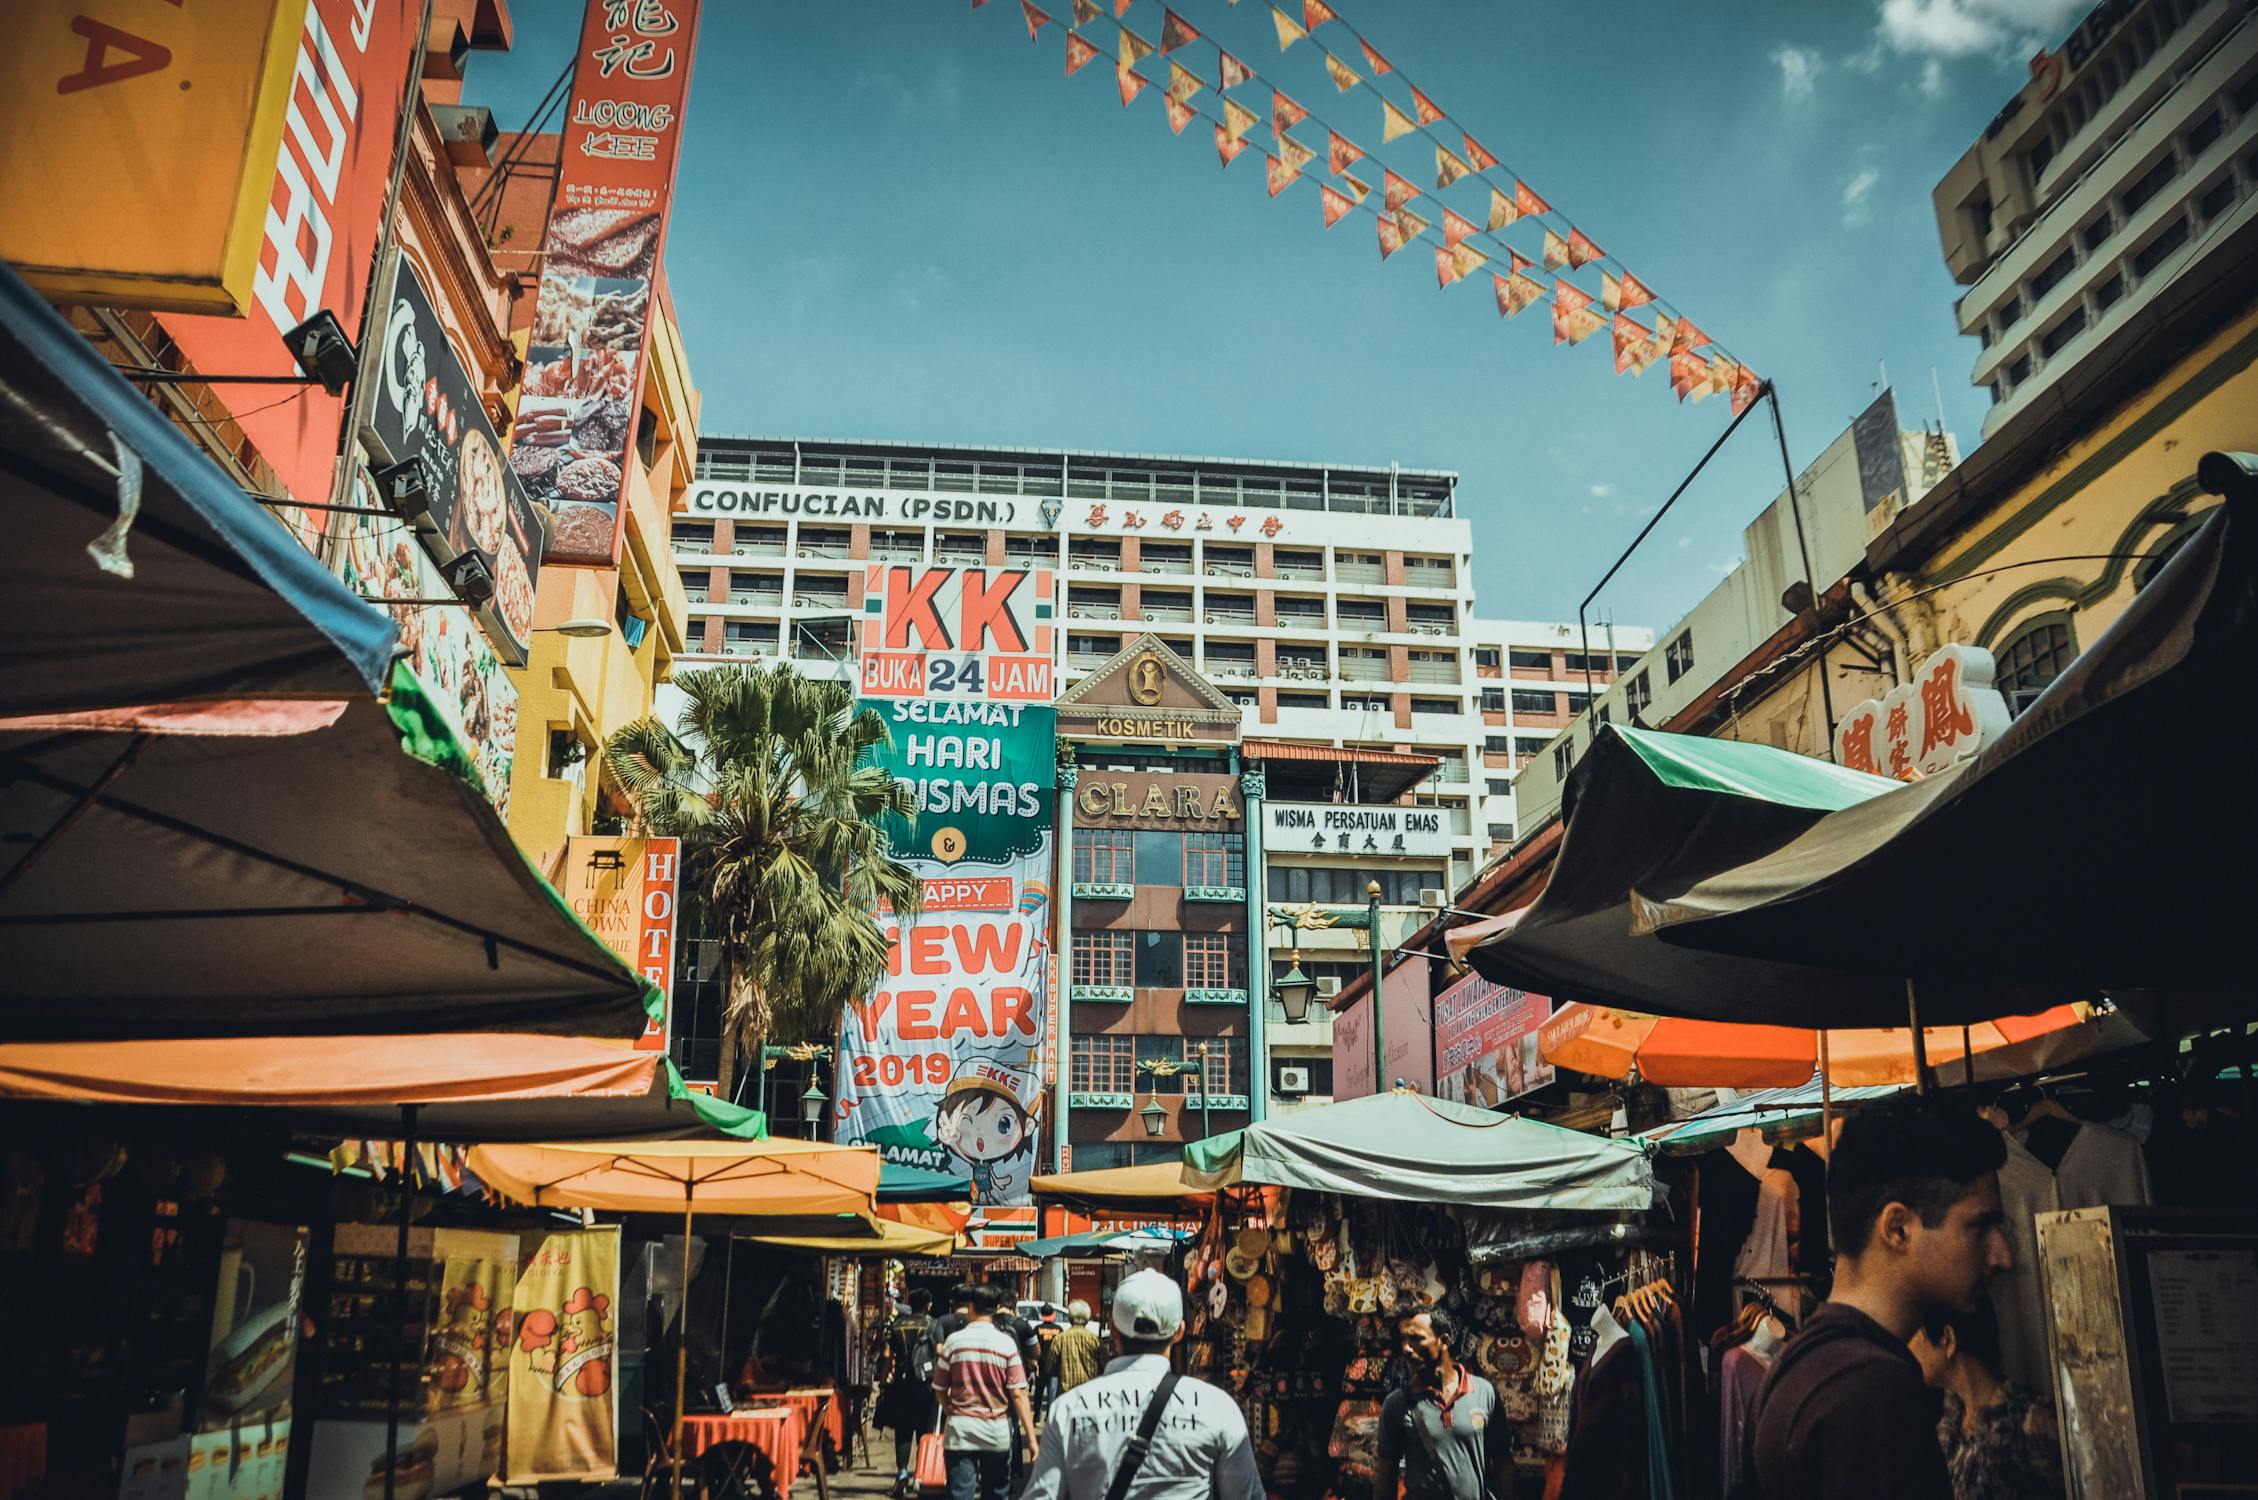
x,y
1626,1426
1741,1368
2054,1161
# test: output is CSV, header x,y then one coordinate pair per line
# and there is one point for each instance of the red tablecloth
x,y
804,1400
775,1431
23,1457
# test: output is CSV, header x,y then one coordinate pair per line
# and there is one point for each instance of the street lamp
x,y
812,1102
1379,967
1293,990
1155,1118
1206,1130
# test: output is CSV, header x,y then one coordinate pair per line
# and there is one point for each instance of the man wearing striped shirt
x,y
980,1381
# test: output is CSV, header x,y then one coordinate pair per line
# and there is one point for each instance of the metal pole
x,y
682,1337
1811,581
1584,608
1379,967
399,1301
1921,1080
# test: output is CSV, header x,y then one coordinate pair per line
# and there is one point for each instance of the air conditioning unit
x,y
1433,897
1328,985
1293,1080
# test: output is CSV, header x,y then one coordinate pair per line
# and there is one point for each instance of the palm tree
x,y
781,842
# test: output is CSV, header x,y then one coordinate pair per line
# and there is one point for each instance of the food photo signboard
x,y
584,369
428,407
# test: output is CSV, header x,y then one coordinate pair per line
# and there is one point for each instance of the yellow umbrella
x,y
726,1177
892,1239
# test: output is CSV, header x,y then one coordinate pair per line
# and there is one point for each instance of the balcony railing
x,y
1229,668
1230,617
766,599
1093,612
1170,614
1361,573
1363,669
1433,671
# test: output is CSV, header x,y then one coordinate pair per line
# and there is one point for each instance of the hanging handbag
x,y
1133,1457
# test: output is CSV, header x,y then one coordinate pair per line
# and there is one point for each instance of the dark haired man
x,y
1444,1431
907,1402
981,1385
1918,1233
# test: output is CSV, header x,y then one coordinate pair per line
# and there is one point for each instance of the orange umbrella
x,y
1678,1053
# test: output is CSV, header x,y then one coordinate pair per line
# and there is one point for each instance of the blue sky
x,y
899,219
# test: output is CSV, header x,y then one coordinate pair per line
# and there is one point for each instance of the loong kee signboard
x,y
958,632
627,891
942,1066
1945,714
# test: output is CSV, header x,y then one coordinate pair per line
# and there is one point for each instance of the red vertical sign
x,y
321,235
654,933
591,324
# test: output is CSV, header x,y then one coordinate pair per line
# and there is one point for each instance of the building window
x,y
2042,155
1496,744
2204,132
1303,700
1678,656
2214,204
1540,661
1450,706
2107,294
2096,234
1318,1069
2009,313
1530,701
1217,1074
1207,961
1160,960
1103,1065
2050,275
1104,958
1564,757
2150,184
1499,786
2033,658
1215,859
1301,884
1030,551
2153,254
2061,333
1486,656
1493,700
1160,857
1637,694
1501,833
1104,856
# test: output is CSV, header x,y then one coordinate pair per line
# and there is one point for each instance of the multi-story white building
x,y
2124,168
1334,604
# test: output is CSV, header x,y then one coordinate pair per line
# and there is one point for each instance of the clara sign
x,y
1346,828
1945,714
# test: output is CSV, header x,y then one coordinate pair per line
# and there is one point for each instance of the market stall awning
x,y
1891,887
898,1183
773,1177
1380,775
354,880
891,1239
1157,1189
1410,1148
463,1086
1780,1109
1090,1242
211,616
1650,812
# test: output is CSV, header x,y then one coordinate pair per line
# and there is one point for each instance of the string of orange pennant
x,y
1461,245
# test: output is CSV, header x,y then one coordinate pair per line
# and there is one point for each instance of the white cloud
x,y
1685,541
1856,209
1932,78
1602,491
2007,29
1799,71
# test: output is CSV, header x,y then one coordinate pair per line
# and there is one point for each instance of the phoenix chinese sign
x,y
1947,712
948,632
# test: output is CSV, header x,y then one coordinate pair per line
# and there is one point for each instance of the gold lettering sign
x,y
1158,801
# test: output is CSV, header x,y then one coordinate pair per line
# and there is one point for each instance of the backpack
x,y
918,1353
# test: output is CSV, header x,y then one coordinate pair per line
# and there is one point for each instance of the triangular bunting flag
x,y
1355,188
1175,31
1428,112
1502,211
1336,204
1526,201
1477,153
1746,388
1227,145
1180,114
1134,48
1036,19
976,4
1664,327
1583,323
1622,293
1467,259
1581,250
1078,52
1410,223
1132,82
1288,32
1085,11
1391,236
1120,8
1394,122
1448,168
1341,152
1517,292
1723,373
1567,301
1315,13
1688,373
1688,338
1237,119
1446,267
1183,83
1556,251
1455,228
1374,60
1520,262
1400,190
1631,342
1235,72
1285,114
1344,77
1280,175
1294,153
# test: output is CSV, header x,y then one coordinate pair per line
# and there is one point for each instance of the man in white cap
x,y
1140,1431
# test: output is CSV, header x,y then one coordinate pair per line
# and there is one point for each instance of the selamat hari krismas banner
x,y
942,1067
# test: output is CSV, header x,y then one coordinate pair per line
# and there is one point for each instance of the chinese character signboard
x,y
949,632
1341,828
1945,714
193,97
563,1390
1486,1042
626,891
576,425
942,1068
324,205
428,408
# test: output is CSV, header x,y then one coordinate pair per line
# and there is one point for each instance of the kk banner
x,y
942,1068
563,1353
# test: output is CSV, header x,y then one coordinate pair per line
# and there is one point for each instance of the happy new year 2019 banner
x,y
942,1067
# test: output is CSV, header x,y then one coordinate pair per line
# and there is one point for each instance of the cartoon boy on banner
x,y
982,1120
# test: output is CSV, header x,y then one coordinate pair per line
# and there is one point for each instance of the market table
x,y
820,1403
775,1432
23,1457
